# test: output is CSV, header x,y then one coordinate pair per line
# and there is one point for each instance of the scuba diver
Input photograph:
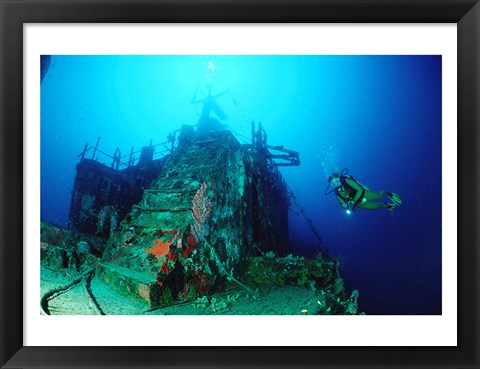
x,y
351,194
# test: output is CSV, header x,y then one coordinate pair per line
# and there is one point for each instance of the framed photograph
x,y
267,184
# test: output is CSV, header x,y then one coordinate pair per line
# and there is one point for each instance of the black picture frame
x,y
15,13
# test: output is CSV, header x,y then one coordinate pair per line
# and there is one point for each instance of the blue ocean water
x,y
378,116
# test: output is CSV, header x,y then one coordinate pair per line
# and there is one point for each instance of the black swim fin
x,y
397,200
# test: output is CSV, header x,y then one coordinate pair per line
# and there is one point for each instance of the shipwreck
x,y
185,218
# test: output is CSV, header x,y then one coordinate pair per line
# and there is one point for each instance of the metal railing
x,y
119,161
162,149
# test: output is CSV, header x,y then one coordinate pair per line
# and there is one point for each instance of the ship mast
x,y
209,103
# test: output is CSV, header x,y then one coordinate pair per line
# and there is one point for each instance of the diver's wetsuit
x,y
350,192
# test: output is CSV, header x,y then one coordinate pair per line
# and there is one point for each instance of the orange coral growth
x,y
167,267
164,268
172,256
187,250
192,241
159,248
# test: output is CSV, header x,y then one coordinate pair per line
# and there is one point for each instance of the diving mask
x,y
335,182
